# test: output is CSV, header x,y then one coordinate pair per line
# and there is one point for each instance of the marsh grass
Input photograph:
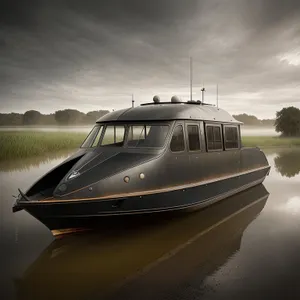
x,y
24,144
19,145
270,141
27,163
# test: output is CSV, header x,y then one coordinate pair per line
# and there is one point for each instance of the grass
x,y
29,144
24,144
270,141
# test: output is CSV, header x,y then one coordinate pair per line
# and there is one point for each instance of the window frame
x,y
206,139
187,136
99,127
184,138
224,137
146,124
104,132
127,125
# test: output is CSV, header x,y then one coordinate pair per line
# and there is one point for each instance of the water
x,y
246,130
245,247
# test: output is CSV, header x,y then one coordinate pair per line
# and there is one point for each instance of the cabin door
x,y
176,160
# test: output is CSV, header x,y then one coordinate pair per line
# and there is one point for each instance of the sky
x,y
91,55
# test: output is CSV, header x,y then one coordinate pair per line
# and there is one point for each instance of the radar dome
x,y
175,99
156,99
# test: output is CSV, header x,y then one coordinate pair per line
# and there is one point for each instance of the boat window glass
x,y
217,138
153,136
97,139
193,135
231,137
177,142
209,138
213,137
93,137
113,136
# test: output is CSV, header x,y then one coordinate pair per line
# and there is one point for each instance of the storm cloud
x,y
94,54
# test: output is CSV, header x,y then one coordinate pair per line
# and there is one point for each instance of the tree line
x,y
72,116
287,121
254,121
60,117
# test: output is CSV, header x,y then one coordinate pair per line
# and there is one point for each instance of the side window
x,y
217,138
213,137
193,136
231,137
177,142
209,138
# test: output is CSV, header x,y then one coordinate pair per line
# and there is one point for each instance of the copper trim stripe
x,y
60,232
197,205
200,203
144,193
57,232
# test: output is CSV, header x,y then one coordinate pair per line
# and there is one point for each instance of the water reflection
x,y
287,163
26,164
84,266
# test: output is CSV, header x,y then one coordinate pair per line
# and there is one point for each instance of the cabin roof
x,y
170,111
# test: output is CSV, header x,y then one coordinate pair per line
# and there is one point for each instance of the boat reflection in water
x,y
96,264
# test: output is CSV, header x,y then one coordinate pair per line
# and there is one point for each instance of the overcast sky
x,y
91,55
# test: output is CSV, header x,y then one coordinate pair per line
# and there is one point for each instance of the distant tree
x,y
93,116
32,117
268,122
288,121
288,163
48,119
61,117
69,117
11,119
248,119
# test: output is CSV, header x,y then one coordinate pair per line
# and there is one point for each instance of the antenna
x,y
217,96
191,78
203,90
132,100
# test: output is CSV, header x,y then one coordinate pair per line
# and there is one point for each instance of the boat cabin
x,y
190,126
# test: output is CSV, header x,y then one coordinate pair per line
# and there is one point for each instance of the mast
x,y
217,96
203,90
191,78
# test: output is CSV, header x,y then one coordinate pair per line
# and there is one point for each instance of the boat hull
x,y
69,216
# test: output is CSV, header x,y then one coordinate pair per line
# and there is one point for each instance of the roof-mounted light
x,y
175,99
156,99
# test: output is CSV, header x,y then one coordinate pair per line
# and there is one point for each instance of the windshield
x,y
93,137
114,135
137,136
147,135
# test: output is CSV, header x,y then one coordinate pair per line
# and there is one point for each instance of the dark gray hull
x,y
84,214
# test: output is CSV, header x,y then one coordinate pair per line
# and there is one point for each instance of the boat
x,y
153,158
